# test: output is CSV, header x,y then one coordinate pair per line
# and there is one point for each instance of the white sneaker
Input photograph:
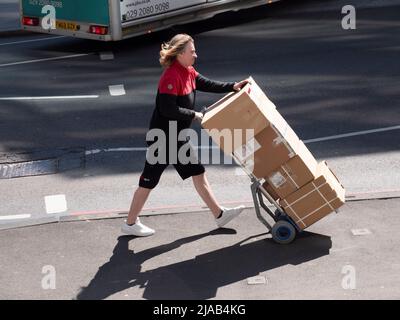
x,y
228,215
138,229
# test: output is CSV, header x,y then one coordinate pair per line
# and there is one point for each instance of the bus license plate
x,y
66,25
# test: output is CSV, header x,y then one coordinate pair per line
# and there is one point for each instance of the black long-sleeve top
x,y
176,96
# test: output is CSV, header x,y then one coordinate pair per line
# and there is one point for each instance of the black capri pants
x,y
152,172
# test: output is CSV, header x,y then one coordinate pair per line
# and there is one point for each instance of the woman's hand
x,y
240,85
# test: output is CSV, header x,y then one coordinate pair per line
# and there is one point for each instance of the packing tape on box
x,y
290,206
295,213
323,197
310,214
246,150
277,179
280,139
307,194
290,177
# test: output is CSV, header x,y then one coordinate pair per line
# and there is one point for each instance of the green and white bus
x,y
113,20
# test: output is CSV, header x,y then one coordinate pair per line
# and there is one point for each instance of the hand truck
x,y
284,230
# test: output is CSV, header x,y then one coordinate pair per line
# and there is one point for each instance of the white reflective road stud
x,y
256,280
360,232
55,204
117,90
106,56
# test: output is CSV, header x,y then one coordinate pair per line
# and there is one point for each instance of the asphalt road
x,y
326,81
9,15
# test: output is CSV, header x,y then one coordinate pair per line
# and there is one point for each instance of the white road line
x,y
55,203
352,134
47,59
50,97
114,150
15,217
34,40
94,151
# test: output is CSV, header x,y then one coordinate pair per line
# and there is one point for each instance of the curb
x,y
93,217
118,214
40,162
375,195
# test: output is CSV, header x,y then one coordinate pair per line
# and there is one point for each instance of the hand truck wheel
x,y
283,232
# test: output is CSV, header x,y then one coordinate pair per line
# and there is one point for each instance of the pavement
x,y
349,255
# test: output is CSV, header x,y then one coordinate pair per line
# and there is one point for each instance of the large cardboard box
x,y
247,109
292,175
272,142
316,199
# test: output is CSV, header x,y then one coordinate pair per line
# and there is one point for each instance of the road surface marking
x,y
46,59
352,134
256,280
15,217
106,56
360,232
117,90
94,151
114,150
34,40
380,191
50,97
55,203
342,249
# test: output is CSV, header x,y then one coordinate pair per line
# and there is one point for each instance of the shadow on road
x,y
198,278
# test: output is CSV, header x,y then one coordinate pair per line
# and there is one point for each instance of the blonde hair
x,y
171,49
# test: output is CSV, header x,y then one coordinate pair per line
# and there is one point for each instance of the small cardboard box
x,y
268,151
316,199
292,175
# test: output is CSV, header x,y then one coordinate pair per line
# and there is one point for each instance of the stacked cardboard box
x,y
316,199
271,141
247,125
290,176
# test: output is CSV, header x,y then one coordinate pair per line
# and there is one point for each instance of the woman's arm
x,y
208,85
168,108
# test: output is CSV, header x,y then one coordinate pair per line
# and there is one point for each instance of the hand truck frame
x,y
284,230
